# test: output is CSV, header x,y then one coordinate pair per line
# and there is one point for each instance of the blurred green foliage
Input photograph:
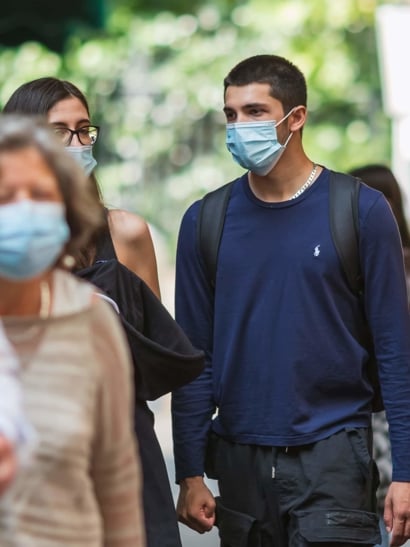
x,y
154,81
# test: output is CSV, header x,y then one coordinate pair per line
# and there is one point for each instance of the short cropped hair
x,y
84,214
287,83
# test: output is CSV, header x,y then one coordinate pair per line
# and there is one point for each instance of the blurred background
x,y
153,71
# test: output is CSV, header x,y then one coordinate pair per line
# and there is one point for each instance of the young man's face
x,y
251,103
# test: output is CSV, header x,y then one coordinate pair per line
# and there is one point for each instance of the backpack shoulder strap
x,y
211,220
344,225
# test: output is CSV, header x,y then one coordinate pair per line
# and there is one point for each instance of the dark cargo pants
x,y
321,494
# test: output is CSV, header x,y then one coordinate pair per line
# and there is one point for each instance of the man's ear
x,y
298,118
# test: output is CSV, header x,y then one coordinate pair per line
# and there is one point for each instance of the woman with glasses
x,y
125,237
66,109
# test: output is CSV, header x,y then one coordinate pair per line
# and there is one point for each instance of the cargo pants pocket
x,y
342,527
236,529
359,441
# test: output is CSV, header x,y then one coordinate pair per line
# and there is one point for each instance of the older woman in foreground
x,y
81,486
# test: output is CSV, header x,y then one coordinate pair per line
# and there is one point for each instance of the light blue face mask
x,y
255,145
32,237
83,155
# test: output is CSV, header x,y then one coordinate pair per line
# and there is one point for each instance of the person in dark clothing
x,y
281,414
124,238
381,178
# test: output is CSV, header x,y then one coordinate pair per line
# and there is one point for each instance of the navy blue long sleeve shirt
x,y
281,332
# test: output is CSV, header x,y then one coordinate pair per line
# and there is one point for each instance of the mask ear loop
x,y
282,120
287,116
287,140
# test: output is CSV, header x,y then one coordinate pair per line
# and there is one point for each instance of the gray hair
x,y
84,213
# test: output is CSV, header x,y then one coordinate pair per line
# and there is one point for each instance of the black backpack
x,y
344,224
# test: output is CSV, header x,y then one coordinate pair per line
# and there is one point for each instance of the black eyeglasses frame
x,y
77,132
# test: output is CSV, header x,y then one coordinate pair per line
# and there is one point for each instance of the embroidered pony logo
x,y
316,252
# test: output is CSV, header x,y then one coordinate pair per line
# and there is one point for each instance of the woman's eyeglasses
x,y
87,135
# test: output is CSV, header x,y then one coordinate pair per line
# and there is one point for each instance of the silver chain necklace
x,y
306,185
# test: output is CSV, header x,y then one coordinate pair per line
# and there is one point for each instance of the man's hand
x,y
8,463
196,505
397,512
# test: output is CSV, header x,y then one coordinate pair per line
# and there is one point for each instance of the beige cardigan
x,y
81,487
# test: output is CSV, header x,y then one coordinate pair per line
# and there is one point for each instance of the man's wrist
x,y
187,482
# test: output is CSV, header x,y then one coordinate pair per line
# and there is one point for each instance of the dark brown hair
x,y
381,178
287,83
39,96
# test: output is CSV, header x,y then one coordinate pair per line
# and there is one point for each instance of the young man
x,y
282,410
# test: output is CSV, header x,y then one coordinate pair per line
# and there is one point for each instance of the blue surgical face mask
x,y
32,237
255,145
83,155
